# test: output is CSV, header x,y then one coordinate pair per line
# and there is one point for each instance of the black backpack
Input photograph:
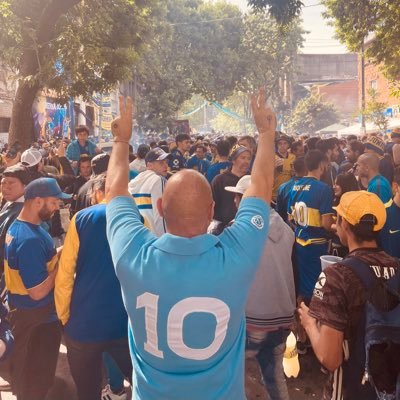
x,y
379,329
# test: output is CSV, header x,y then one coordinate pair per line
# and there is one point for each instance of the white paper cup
x,y
329,260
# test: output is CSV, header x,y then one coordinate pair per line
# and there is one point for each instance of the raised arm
x,y
262,176
118,168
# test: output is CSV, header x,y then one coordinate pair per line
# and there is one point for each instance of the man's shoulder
x,y
21,234
95,210
176,153
377,257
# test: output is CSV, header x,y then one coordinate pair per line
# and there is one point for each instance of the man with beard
x,y
225,209
30,261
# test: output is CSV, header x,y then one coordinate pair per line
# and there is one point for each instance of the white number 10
x,y
176,317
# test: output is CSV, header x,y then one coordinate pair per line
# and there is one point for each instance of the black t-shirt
x,y
225,209
386,168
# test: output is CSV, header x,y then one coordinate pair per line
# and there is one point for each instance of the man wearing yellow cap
x,y
334,322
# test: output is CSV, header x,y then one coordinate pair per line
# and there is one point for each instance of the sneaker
x,y
108,394
5,386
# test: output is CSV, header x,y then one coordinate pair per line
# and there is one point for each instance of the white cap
x,y
241,186
31,157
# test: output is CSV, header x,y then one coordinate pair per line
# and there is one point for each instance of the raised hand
x,y
264,117
121,127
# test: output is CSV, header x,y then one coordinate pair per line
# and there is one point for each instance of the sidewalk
x,y
307,386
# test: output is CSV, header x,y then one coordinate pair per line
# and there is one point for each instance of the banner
x,y
50,119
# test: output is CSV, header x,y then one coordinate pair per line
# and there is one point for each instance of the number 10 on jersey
x,y
176,316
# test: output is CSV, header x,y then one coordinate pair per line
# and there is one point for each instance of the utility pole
x,y
205,117
363,128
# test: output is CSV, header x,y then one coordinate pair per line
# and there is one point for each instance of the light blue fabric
x,y
381,187
74,151
200,356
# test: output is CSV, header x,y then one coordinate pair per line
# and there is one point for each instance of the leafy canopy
x,y
91,46
284,11
356,20
312,114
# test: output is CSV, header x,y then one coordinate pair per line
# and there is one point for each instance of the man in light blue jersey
x,y
185,293
368,168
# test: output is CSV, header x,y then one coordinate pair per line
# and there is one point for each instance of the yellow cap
x,y
354,205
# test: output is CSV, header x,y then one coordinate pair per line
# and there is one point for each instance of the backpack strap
x,y
362,270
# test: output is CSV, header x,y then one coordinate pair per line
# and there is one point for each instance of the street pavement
x,y
307,386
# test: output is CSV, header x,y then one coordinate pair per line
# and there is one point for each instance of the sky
x,y
320,39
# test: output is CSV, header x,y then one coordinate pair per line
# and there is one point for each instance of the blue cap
x,y
44,187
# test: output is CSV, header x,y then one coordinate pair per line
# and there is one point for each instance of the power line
x,y
313,5
206,21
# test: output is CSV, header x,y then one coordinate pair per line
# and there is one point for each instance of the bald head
x,y
371,160
187,204
368,165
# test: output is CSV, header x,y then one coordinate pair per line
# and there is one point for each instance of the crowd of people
x,y
167,266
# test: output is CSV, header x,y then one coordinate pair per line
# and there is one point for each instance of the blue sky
x,y
321,39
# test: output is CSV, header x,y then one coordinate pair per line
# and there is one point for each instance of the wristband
x,y
121,141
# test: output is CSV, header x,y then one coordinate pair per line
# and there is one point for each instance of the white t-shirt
x,y
146,189
138,165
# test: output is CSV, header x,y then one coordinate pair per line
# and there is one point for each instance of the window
x,y
374,84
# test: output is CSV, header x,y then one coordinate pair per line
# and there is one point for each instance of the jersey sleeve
x,y
326,201
32,263
156,192
125,231
191,163
281,206
65,277
248,234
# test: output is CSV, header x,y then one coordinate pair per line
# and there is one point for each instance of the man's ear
x,y
159,207
211,212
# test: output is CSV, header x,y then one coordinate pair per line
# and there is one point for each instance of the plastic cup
x,y
329,260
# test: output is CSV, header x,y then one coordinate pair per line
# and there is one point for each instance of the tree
x,y
269,53
356,20
312,114
196,51
284,11
267,57
375,111
238,103
71,47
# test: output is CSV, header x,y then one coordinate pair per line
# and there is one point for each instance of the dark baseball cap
x,y
156,154
44,187
99,163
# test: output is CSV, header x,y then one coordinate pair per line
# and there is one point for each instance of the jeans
x,y
85,362
34,359
114,375
269,350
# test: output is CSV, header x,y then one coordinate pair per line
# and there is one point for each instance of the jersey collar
x,y
186,247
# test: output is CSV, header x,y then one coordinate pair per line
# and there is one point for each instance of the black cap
x,y
156,154
100,163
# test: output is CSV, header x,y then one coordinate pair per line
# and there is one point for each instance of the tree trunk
x,y
21,126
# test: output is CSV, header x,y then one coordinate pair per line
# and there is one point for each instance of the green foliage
x,y
239,103
358,19
312,114
375,111
284,11
268,54
189,56
94,42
